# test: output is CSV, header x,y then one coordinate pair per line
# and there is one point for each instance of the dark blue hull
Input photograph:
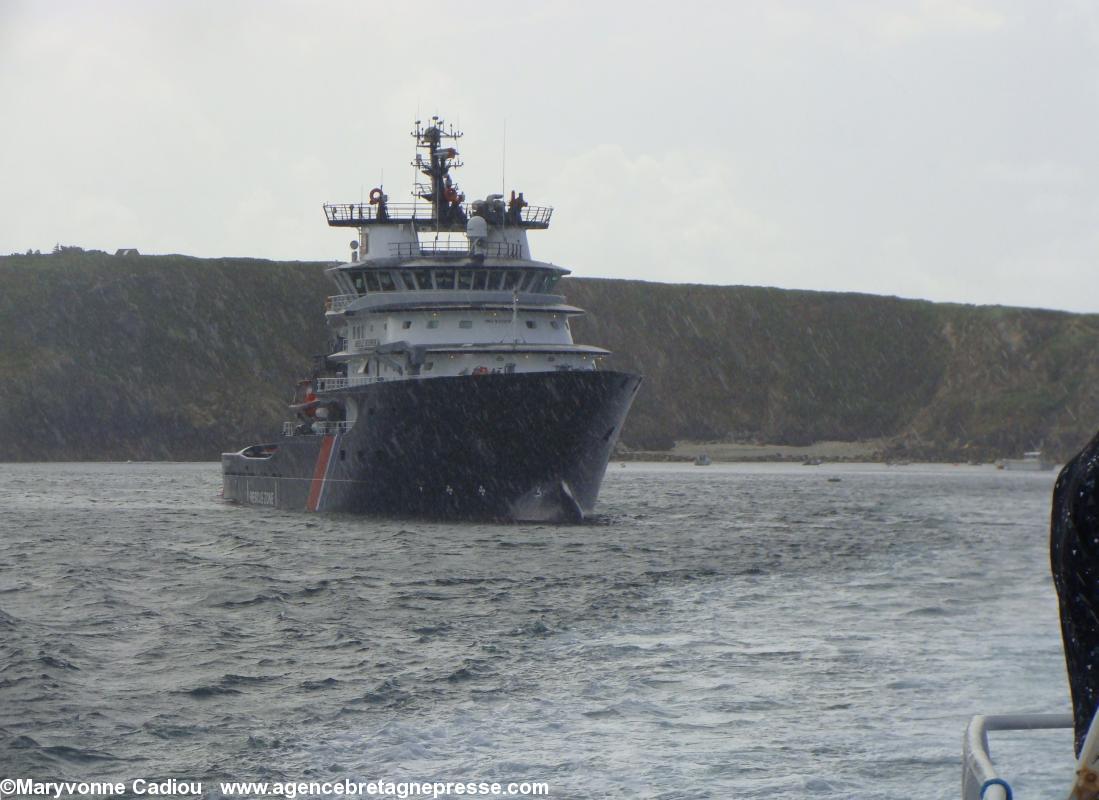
x,y
526,446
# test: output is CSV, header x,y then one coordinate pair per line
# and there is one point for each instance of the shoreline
x,y
871,451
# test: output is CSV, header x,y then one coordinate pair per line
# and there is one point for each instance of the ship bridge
x,y
445,286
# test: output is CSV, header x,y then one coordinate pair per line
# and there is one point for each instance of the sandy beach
x,y
869,450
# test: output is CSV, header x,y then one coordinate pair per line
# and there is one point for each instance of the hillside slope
x,y
171,357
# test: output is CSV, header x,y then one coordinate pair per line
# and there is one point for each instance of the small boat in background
x,y
1031,461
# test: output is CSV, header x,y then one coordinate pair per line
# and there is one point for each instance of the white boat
x,y
1030,462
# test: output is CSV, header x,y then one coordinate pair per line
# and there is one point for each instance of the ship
x,y
451,386
1032,461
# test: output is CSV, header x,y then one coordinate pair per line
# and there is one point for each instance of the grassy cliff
x,y
154,357
170,357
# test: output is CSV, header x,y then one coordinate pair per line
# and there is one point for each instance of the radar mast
x,y
443,194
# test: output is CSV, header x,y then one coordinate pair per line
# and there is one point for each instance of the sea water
x,y
753,631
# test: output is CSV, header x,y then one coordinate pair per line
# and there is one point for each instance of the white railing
x,y
355,214
359,345
317,428
456,248
338,302
979,778
331,384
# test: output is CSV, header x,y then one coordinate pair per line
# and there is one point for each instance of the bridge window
x,y
358,283
480,279
444,279
465,279
551,281
372,284
511,280
408,280
385,278
423,278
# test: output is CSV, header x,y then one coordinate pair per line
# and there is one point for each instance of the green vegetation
x,y
171,357
150,357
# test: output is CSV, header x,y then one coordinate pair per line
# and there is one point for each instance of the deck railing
x,y
338,302
318,428
352,214
332,384
980,780
455,249
362,345
537,215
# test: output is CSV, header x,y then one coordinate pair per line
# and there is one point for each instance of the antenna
x,y
415,194
504,159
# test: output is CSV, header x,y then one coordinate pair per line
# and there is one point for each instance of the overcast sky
x,y
943,150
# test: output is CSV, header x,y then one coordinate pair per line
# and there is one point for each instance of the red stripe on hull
x,y
320,472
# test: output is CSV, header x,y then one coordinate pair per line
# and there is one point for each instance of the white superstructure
x,y
440,287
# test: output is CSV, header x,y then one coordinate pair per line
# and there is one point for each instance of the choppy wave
x,y
754,631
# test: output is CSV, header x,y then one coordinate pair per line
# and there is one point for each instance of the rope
x,y
995,782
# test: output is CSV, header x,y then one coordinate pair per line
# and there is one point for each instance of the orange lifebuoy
x,y
481,371
376,196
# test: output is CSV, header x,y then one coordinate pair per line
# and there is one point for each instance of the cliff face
x,y
778,366
159,357
789,367
169,357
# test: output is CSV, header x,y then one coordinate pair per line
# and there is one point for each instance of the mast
x,y
446,201
435,157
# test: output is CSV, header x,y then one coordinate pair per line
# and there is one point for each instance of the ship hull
x,y
525,446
